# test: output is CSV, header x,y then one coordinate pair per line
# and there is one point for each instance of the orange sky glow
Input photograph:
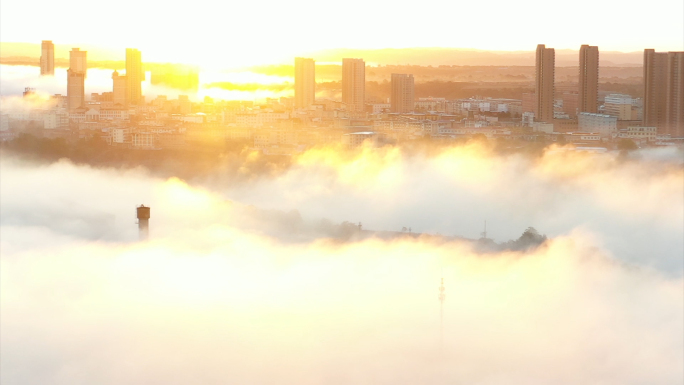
x,y
247,33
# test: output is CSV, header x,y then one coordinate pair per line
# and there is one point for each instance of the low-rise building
x,y
357,139
639,133
144,140
603,124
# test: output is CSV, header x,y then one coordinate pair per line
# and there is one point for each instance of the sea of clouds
x,y
241,283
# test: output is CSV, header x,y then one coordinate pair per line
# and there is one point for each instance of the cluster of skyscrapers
x,y
587,100
663,87
353,86
127,89
663,100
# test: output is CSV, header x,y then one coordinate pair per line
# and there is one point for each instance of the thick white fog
x,y
241,282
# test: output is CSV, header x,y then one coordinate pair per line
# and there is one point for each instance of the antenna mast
x,y
442,296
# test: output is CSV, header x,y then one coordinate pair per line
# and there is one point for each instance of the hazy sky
x,y
232,33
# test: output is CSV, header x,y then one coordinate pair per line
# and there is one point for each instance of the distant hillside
x,y
454,56
387,56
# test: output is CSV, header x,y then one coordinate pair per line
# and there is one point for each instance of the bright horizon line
x,y
508,50
244,58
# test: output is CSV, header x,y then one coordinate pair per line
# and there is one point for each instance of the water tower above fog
x,y
143,214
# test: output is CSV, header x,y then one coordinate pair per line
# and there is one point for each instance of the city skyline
x,y
576,111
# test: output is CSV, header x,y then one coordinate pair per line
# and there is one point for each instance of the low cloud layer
x,y
240,282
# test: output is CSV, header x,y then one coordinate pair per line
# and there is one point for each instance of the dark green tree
x,y
626,145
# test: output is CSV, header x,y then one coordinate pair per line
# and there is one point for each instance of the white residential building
x,y
605,125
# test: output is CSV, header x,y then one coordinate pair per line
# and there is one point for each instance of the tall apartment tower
x,y
120,89
402,98
305,82
75,89
664,91
354,83
674,107
47,58
78,61
134,75
587,100
544,77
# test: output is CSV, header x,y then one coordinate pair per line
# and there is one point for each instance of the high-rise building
x,y
76,79
588,79
75,89
544,78
134,75
402,98
353,83
305,82
664,91
655,88
78,61
674,110
47,58
120,89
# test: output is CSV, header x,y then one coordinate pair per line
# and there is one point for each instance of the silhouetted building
x,y
402,98
353,83
47,58
588,79
664,91
143,214
134,75
544,78
305,82
75,89
119,89
78,61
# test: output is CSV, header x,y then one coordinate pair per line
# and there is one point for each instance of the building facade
x,y
75,89
664,92
402,98
47,58
588,79
353,83
621,106
544,87
78,61
674,103
604,125
119,89
305,82
570,103
134,75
